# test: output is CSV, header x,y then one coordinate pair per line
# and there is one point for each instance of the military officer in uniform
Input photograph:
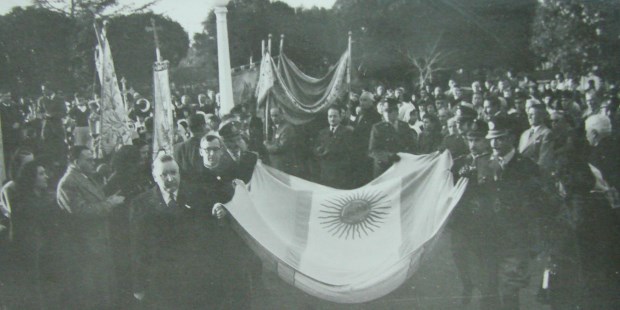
x,y
457,144
468,234
390,137
514,192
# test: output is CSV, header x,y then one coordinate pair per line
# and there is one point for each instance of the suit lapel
x,y
88,185
527,140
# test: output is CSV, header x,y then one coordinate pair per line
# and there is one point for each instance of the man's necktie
x,y
333,130
497,166
173,202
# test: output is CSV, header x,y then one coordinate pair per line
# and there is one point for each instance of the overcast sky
x,y
189,13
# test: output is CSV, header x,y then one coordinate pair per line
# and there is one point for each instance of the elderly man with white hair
x,y
599,235
605,149
177,243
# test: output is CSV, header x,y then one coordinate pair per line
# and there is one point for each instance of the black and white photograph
x,y
309,154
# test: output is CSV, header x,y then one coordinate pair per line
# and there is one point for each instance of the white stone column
x,y
223,60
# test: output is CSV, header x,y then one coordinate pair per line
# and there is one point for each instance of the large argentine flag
x,y
347,246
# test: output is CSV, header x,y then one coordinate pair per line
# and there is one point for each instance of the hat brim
x,y
475,135
496,134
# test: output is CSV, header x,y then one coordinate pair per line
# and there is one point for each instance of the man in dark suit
x,y
334,148
176,243
11,123
186,153
390,137
283,146
368,116
515,194
238,162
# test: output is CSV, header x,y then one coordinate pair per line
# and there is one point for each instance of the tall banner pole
x,y
267,105
124,90
350,61
3,173
267,117
280,51
269,45
262,48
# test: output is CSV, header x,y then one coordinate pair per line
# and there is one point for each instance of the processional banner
x,y
347,246
163,137
244,84
115,128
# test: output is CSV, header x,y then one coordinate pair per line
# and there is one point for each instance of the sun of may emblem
x,y
354,216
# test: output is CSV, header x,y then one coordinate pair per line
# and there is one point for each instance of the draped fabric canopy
x,y
347,246
300,96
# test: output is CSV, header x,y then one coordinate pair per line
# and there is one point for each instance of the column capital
x,y
218,10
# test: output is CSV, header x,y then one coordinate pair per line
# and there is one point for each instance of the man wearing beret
x,y
536,142
390,137
514,193
334,148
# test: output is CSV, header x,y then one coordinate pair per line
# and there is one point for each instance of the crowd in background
x,y
567,128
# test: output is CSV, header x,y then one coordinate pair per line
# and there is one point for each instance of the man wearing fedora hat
x,y
515,195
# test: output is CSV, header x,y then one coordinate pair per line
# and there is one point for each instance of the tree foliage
x,y
133,47
313,38
39,45
81,8
385,34
575,35
36,47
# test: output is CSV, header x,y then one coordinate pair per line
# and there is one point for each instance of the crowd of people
x,y
86,229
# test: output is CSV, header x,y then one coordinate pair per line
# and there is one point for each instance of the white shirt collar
x,y
167,197
535,129
506,158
